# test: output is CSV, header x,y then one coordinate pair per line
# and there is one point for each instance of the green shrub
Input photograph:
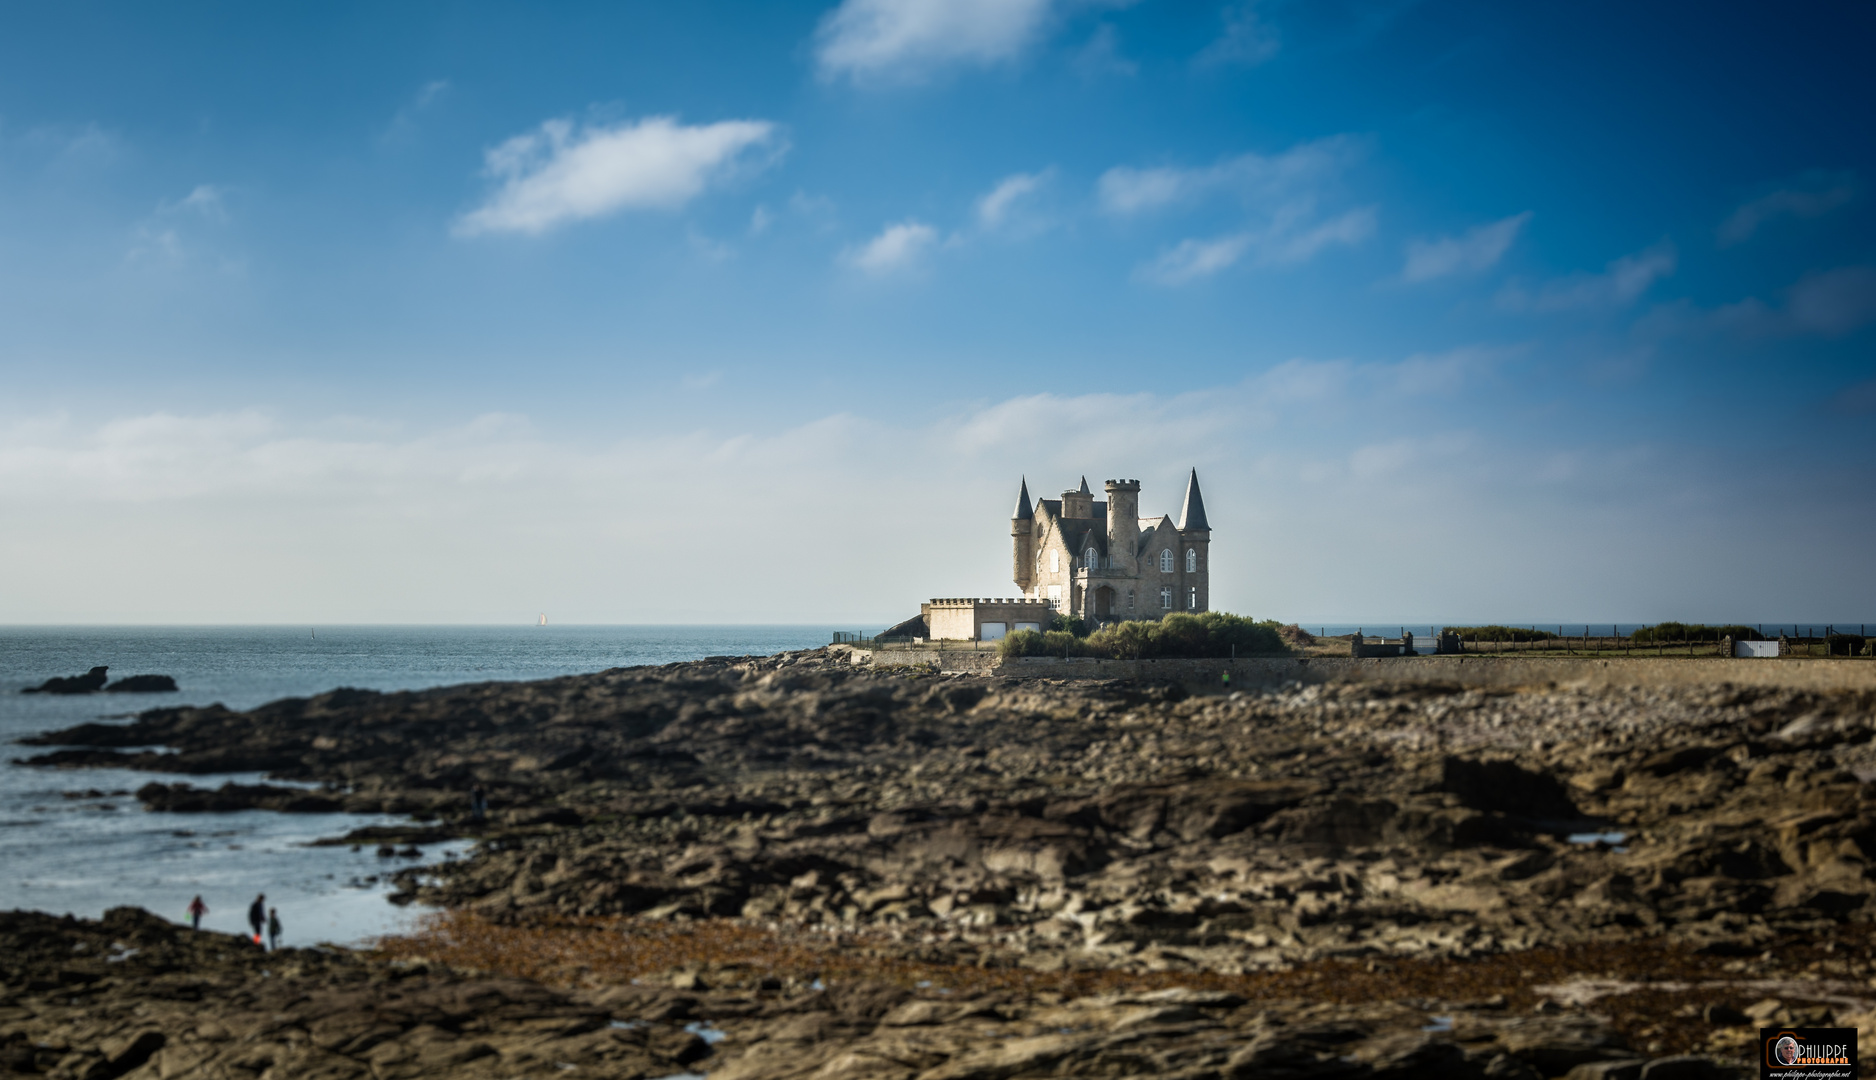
x,y
1669,632
1500,633
1069,624
1046,643
1208,634
1177,636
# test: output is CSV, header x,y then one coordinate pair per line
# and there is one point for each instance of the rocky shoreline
x,y
1099,843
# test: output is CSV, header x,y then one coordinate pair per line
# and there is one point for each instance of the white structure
x,y
1755,648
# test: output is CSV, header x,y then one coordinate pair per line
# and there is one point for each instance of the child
x,y
273,929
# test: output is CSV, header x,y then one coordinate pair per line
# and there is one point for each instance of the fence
x,y
842,637
1830,643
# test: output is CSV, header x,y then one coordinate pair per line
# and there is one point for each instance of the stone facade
x,y
1105,563
973,619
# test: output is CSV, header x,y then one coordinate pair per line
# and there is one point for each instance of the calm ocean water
x,y
65,850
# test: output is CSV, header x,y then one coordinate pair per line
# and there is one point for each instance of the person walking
x,y
478,803
273,929
257,916
197,909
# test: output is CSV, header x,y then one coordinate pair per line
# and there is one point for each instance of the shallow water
x,y
86,854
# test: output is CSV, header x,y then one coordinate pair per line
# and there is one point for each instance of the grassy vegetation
x,y
1678,631
1177,636
1501,633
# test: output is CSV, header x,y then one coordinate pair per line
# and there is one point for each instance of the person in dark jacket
x,y
197,909
257,916
273,929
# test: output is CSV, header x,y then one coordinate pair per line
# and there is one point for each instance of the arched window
x,y
1165,563
1192,560
1090,559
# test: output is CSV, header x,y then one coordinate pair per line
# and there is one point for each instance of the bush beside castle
x,y
1176,636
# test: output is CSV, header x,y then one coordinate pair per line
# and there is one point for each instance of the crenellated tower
x,y
1123,524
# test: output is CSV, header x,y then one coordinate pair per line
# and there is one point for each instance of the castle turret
x,y
1192,515
1023,539
1078,503
1196,560
1123,523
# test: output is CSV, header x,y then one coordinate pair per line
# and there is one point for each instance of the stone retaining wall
x,y
1481,671
981,662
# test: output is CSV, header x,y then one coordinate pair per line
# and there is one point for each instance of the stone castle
x,y
1100,561
1104,562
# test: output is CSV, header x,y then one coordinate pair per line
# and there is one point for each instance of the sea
x,y
77,841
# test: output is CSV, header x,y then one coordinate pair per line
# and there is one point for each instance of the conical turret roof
x,y
1084,486
1024,511
1192,515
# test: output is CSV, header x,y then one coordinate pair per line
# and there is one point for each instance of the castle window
x,y
1165,597
1055,562
1166,563
1192,598
1129,599
1192,560
1091,560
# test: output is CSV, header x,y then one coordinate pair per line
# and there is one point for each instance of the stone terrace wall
x,y
1482,671
981,662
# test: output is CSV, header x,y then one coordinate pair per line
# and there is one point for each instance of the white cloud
x,y
248,516
995,207
559,174
1345,230
176,234
1259,177
1621,283
1101,55
1819,194
899,39
896,248
403,124
1292,238
1833,302
1826,303
1190,260
1247,39
1477,249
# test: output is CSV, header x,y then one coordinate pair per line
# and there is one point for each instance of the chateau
x,y
1104,562
1101,561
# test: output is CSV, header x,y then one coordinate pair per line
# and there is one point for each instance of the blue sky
x,y
738,312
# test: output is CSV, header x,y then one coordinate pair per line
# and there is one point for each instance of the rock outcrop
x,y
90,682
143,684
134,996
1079,827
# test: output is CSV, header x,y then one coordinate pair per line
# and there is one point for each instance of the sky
x,y
759,312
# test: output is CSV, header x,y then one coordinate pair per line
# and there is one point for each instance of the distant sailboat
x,y
543,618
